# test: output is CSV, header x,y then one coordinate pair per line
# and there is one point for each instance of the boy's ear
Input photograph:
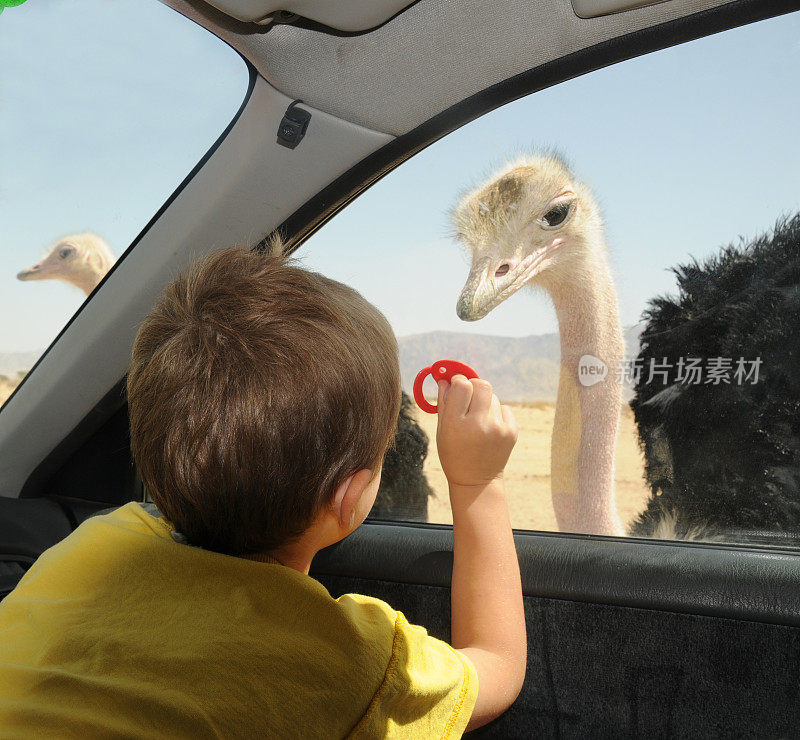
x,y
347,496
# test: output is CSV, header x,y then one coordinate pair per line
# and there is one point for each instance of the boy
x,y
262,399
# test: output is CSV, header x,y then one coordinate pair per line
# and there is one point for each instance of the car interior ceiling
x,y
626,637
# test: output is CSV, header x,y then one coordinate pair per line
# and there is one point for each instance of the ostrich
x,y
404,489
533,224
723,458
80,259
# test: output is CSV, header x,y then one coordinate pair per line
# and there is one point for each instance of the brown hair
x,y
255,388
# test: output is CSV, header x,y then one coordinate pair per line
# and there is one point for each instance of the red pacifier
x,y
440,370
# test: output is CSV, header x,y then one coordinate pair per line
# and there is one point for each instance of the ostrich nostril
x,y
502,270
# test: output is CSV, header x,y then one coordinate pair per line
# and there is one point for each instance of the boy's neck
x,y
299,553
263,557
297,562
323,531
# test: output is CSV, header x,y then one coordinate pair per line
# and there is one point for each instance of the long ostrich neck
x,y
85,281
587,417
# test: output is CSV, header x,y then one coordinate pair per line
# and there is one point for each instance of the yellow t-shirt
x,y
121,631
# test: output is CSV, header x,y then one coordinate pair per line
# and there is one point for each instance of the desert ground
x,y
7,386
527,475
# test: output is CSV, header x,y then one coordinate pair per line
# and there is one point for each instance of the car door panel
x,y
625,639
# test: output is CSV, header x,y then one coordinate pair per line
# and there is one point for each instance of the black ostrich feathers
x,y
723,459
404,489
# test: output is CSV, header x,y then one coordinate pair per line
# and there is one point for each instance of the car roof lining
x,y
374,78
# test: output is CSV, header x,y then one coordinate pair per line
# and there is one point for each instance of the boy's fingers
x,y
458,396
508,418
497,412
481,401
442,394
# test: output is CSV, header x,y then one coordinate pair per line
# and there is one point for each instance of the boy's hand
x,y
475,434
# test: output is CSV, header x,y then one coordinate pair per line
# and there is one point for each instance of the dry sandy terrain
x,y
7,385
528,472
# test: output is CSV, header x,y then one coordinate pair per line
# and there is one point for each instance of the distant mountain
x,y
12,363
520,368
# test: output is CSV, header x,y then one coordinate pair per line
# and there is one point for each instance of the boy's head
x,y
255,388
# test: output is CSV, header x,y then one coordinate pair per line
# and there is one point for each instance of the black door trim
x,y
712,579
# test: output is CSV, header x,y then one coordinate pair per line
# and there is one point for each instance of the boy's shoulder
x,y
133,558
380,639
122,583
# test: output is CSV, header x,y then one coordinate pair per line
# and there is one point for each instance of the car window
x,y
106,106
619,255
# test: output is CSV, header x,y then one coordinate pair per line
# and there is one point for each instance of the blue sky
x,y
116,101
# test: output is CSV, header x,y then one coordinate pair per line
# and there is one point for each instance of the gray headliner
x,y
397,76
594,8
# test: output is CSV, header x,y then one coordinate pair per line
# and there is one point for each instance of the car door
x,y
679,117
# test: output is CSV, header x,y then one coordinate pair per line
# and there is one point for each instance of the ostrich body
x,y
404,489
81,260
723,459
534,225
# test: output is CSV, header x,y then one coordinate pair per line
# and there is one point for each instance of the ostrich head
x,y
80,259
533,224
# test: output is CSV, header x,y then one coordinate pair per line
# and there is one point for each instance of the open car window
x,y
100,125
620,256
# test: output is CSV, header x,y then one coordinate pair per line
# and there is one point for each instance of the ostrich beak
x,y
30,273
477,293
491,280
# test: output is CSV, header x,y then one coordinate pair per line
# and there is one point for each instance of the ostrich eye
x,y
65,252
557,215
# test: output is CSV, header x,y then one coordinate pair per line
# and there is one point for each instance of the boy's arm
x,y
475,436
